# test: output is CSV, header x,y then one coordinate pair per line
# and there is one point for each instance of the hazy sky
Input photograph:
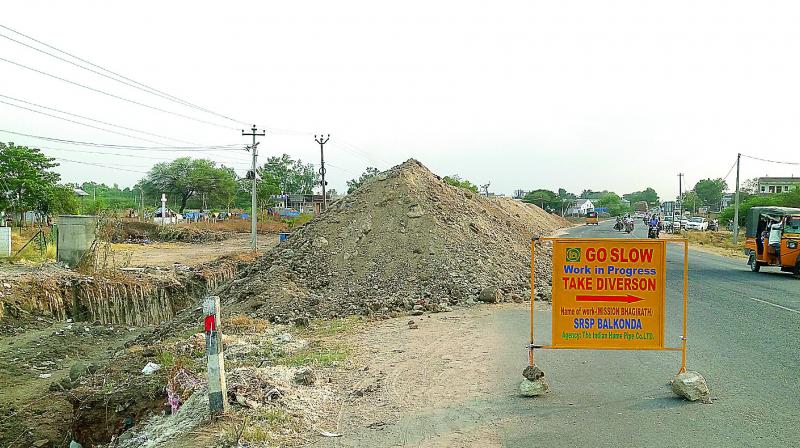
x,y
574,94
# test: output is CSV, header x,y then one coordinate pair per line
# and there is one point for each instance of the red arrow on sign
x,y
628,298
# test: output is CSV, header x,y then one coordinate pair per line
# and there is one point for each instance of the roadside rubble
x,y
534,383
405,241
691,386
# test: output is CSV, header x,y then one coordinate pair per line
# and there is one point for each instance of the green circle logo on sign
x,y
573,254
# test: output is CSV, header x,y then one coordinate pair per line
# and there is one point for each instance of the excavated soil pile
x,y
404,238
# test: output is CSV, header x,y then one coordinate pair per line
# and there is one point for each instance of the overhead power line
x,y
82,124
103,92
229,147
138,156
730,170
771,161
100,165
96,120
120,78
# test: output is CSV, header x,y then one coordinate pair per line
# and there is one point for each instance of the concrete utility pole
x,y
141,209
322,167
254,205
217,387
736,203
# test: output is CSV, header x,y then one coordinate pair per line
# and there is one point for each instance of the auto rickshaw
x,y
591,218
785,254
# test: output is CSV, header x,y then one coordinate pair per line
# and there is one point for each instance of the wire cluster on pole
x,y
322,140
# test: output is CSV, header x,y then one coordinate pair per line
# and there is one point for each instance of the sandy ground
x,y
167,254
448,361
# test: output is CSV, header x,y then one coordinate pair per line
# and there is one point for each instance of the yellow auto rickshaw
x,y
591,218
779,226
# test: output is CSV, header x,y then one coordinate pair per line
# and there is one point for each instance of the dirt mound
x,y
404,238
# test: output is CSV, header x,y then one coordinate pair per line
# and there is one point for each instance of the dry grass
x,y
243,324
266,225
717,242
238,226
31,253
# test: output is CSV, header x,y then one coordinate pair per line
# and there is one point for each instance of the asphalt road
x,y
743,333
742,336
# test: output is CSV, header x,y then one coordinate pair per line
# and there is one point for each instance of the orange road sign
x,y
608,294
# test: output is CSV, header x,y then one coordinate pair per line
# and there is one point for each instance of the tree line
x,y
28,182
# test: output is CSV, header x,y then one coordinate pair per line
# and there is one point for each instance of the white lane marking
x,y
775,305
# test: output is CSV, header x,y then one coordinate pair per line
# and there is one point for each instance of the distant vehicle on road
x,y
591,218
773,238
629,226
697,223
672,224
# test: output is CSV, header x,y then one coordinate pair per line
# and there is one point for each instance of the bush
x,y
790,199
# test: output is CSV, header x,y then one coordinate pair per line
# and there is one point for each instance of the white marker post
x,y
163,207
217,388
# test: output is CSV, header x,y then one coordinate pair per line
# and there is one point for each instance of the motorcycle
x,y
618,226
652,232
629,227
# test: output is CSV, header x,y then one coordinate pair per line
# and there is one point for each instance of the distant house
x,y
80,193
580,207
727,200
304,203
772,185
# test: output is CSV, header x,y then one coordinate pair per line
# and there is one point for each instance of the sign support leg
x,y
685,302
533,295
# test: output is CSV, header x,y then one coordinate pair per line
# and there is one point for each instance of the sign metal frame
x,y
532,346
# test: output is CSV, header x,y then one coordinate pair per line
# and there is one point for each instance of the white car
x,y
697,223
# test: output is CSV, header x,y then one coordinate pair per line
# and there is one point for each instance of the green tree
x,y
750,186
691,201
354,184
27,182
187,178
613,203
594,195
545,199
456,181
710,191
61,200
648,195
282,174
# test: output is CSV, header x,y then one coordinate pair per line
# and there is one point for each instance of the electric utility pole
x,y
736,203
254,207
322,166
